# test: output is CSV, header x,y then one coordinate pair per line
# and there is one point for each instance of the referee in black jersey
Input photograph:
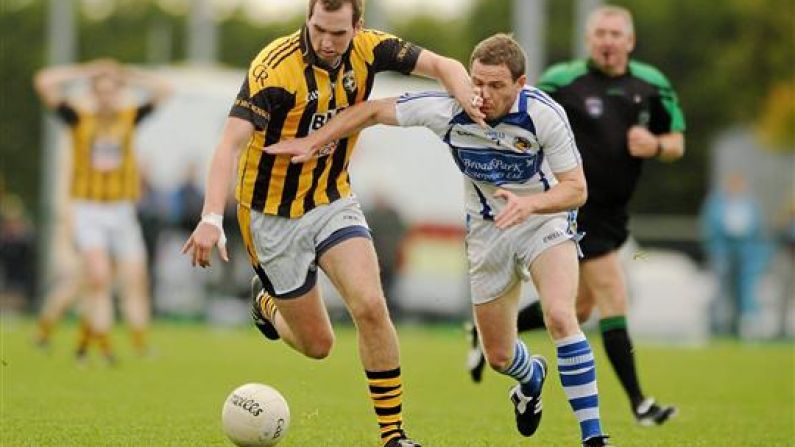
x,y
622,112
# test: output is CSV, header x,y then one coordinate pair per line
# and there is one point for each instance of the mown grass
x,y
728,394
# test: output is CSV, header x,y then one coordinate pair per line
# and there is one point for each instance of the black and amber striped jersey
x,y
104,166
289,93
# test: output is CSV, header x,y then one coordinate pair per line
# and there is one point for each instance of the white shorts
x,y
498,258
111,226
284,252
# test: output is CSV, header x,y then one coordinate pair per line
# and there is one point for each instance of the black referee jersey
x,y
601,109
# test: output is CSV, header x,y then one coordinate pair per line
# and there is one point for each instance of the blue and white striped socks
x,y
578,377
521,367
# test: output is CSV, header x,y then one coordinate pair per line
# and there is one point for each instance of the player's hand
x,y
201,242
301,149
471,102
641,142
516,209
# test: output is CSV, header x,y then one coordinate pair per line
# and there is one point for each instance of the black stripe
x,y
388,374
273,54
339,158
382,389
350,94
309,199
337,165
388,411
125,169
262,181
104,190
264,170
387,397
293,175
285,56
396,431
368,85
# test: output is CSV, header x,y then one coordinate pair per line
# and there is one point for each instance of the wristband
x,y
217,221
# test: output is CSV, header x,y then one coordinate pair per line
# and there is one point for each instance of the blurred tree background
x,y
731,63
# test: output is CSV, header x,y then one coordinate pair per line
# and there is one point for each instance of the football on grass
x,y
255,415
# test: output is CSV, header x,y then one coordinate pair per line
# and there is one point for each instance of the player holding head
x,y
295,218
523,182
622,112
104,188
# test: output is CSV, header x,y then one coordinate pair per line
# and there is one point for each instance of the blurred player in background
x,y
103,189
295,218
622,112
523,178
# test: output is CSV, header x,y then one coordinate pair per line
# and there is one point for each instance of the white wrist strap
x,y
217,221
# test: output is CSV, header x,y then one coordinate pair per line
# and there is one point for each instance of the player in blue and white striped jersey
x,y
524,180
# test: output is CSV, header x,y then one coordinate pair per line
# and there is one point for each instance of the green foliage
x,y
175,398
425,31
22,51
240,40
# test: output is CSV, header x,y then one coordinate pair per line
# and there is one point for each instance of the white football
x,y
255,415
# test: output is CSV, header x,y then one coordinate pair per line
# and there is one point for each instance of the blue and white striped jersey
x,y
519,152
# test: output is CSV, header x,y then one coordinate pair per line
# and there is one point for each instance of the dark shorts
x,y
605,230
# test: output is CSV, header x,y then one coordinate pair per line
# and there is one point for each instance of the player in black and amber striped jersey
x,y
104,187
295,218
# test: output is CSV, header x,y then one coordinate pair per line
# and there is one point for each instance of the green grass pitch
x,y
728,394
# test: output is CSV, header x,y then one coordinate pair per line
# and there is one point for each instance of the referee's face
x,y
610,40
497,88
331,32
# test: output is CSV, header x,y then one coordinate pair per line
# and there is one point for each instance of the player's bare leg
x,y
136,302
506,354
352,267
98,306
63,295
555,274
303,323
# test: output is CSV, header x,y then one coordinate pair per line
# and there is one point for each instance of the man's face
x,y
609,43
330,32
497,88
107,89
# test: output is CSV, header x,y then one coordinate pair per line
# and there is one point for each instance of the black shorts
x,y
605,230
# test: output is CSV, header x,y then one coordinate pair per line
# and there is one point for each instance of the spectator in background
x,y
153,215
387,229
105,185
188,201
16,255
732,232
786,264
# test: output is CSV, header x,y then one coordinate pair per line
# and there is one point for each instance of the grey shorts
x,y
111,226
499,258
284,252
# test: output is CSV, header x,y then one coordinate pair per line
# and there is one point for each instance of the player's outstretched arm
x,y
570,192
455,79
351,120
209,231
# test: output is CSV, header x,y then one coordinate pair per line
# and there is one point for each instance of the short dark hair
x,y
500,49
333,5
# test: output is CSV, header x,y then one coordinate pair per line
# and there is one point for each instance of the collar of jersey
x,y
311,58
